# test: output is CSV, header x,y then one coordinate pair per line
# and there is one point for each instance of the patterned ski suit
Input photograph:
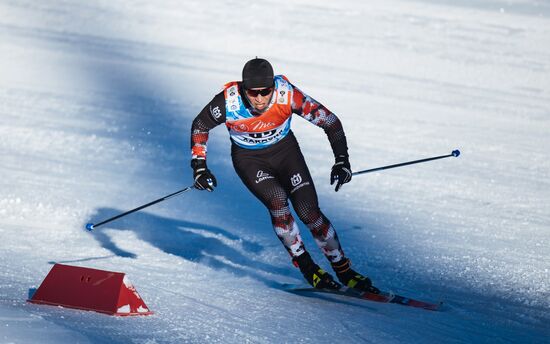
x,y
267,158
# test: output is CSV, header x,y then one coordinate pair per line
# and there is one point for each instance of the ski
x,y
383,297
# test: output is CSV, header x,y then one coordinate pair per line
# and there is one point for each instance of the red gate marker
x,y
90,289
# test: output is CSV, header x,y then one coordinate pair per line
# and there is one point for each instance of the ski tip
x,y
89,226
455,153
435,306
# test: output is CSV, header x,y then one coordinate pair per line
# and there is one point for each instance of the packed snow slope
x,y
96,104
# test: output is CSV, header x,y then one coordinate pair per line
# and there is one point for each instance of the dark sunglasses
x,y
263,92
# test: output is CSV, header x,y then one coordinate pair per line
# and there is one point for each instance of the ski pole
x,y
90,226
454,153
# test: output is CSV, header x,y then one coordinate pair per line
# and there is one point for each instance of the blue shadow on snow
x,y
212,246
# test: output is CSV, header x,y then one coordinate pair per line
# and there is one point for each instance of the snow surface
x,y
96,103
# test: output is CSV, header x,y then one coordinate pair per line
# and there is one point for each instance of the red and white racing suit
x,y
267,158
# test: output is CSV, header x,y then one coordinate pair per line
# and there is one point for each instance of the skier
x,y
257,111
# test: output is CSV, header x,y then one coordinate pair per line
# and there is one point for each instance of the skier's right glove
x,y
204,179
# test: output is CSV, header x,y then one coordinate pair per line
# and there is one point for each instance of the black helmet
x,y
257,73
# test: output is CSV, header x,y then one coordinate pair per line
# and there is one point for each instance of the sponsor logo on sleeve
x,y
216,112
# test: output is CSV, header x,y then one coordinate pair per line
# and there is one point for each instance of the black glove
x,y
204,179
341,172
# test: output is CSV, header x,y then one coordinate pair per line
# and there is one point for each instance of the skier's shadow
x,y
209,245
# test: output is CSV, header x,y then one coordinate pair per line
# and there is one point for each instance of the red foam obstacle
x,y
90,289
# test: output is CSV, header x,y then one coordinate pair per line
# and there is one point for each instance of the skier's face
x,y
259,97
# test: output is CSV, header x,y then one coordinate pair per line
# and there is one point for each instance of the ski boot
x,y
315,276
352,278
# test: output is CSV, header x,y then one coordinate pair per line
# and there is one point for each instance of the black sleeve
x,y
212,115
316,113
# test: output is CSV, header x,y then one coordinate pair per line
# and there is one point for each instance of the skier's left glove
x,y
341,172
